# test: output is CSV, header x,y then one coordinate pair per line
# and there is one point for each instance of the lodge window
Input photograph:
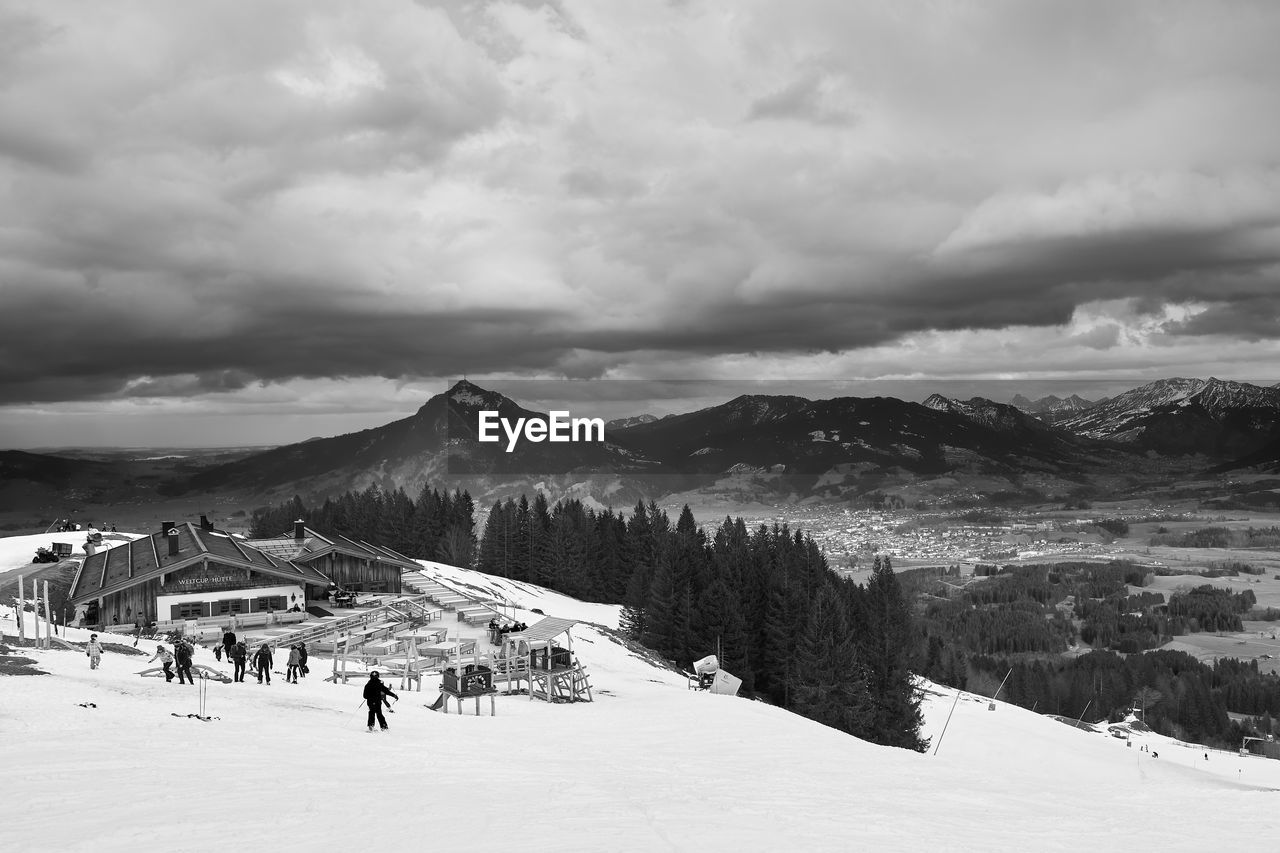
x,y
190,610
230,605
271,602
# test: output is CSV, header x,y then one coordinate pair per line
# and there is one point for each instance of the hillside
x,y
648,766
813,436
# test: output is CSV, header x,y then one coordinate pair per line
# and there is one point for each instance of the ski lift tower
x,y
1244,744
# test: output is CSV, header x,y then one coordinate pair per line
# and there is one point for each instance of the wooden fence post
x,y
48,616
35,614
22,633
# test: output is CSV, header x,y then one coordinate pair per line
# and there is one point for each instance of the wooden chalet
x,y
185,572
352,565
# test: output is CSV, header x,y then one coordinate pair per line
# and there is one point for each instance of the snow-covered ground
x,y
648,766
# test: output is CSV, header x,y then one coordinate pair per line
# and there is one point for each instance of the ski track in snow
x,y
649,766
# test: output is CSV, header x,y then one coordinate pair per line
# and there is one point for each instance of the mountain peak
x,y
939,402
469,395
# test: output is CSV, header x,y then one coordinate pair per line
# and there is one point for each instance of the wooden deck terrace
x,y
370,622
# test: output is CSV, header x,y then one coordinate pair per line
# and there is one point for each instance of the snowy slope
x,y
524,596
647,766
16,551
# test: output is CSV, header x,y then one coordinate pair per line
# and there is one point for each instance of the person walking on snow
x,y
374,690
239,654
166,661
302,660
94,651
228,642
262,661
182,651
291,669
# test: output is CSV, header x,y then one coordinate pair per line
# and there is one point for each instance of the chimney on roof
x,y
173,541
165,527
205,523
299,530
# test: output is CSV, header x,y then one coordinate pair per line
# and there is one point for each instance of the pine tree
x,y
828,681
522,544
885,650
492,543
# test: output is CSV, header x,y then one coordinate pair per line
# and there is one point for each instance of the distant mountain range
x,y
768,447
752,445
1051,408
623,423
1216,418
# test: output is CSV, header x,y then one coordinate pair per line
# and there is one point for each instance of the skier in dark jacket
x,y
239,655
262,662
302,663
182,652
228,642
374,690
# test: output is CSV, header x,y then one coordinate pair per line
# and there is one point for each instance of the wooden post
x,y
35,614
22,634
48,616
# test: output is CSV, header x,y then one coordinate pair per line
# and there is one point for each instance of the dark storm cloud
x,y
1252,319
201,198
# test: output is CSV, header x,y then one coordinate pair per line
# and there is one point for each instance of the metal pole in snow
x,y
938,745
1080,721
1001,687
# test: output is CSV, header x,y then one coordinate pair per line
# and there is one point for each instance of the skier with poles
x,y
374,690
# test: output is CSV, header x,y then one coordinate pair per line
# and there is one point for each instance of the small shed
x,y
552,671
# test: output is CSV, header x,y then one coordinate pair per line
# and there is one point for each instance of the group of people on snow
x,y
181,655
235,650
375,692
496,630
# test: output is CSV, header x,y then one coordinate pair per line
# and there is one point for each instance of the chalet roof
x,y
544,629
313,544
140,560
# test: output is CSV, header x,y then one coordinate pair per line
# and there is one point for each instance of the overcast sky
x,y
244,223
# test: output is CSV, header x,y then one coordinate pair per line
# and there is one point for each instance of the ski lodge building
x,y
184,572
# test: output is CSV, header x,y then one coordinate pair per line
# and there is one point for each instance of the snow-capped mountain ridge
x,y
1217,397
1214,417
